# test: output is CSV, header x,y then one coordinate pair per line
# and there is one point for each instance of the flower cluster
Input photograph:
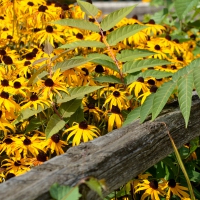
x,y
26,35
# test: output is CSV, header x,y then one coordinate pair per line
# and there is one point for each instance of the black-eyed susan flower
x,y
174,188
82,132
54,144
151,188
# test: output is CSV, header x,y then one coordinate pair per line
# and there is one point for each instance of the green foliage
x,y
132,116
61,192
107,79
113,18
83,43
122,33
78,23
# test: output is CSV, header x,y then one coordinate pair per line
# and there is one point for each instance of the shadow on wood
x,y
116,157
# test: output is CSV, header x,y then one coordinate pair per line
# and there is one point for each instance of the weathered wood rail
x,y
116,157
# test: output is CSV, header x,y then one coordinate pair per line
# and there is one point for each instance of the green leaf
x,y
88,8
26,113
195,24
194,144
156,74
39,61
69,108
138,65
61,192
78,116
107,79
48,48
106,63
168,161
77,92
130,55
114,17
161,97
78,23
185,86
123,32
146,107
159,16
95,185
33,124
71,63
132,116
54,125
83,43
100,56
183,7
196,75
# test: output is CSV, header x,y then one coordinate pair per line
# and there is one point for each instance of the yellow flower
x,y
82,131
54,144
151,188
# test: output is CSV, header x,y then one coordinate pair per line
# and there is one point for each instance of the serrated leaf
x,y
28,112
95,185
159,16
71,63
156,74
88,8
78,116
107,79
130,55
114,17
123,32
130,67
132,116
78,23
68,108
54,125
100,56
33,125
48,48
39,61
161,97
77,92
83,43
146,107
106,63
61,192
196,75
183,7
185,87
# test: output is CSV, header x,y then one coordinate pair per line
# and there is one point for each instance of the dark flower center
x,y
140,79
193,37
172,183
9,37
176,40
180,58
116,93
26,63
2,52
157,47
91,19
1,113
99,69
27,141
154,184
5,29
42,8
79,36
83,125
134,17
8,141
86,71
151,82
164,66
28,75
168,37
7,60
55,138
49,29
153,89
17,163
91,106
65,7
10,175
30,3
151,21
42,157
4,95
173,67
115,109
36,30
49,82
17,85
111,85
1,17
30,56
35,50
34,97
4,83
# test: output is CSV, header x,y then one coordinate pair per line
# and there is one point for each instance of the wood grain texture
x,y
116,157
